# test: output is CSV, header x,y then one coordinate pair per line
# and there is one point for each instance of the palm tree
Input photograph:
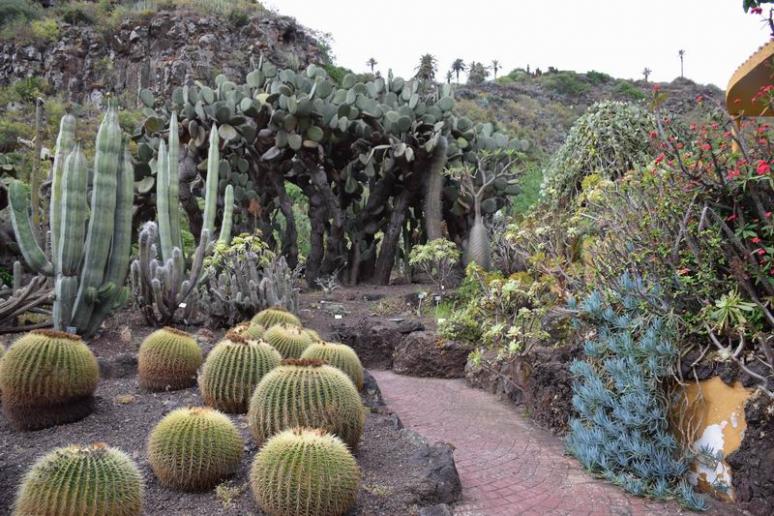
x,y
681,53
495,67
427,67
371,63
646,73
477,73
458,66
449,76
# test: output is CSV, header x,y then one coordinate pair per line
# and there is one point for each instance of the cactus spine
x,y
192,449
275,315
73,481
233,369
159,279
304,472
47,378
339,356
249,330
168,360
290,341
89,265
306,393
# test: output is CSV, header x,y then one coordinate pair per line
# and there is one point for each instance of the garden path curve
x,y
507,465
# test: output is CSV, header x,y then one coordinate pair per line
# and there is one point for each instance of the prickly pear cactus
x,y
339,356
168,360
305,472
275,315
97,480
290,341
194,448
306,393
47,378
233,369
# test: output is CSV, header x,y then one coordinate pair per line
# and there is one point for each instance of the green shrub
x,y
306,393
194,448
438,259
595,77
566,83
304,472
73,481
609,140
629,90
46,30
18,11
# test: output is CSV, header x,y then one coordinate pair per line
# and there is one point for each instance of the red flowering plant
x,y
756,7
725,167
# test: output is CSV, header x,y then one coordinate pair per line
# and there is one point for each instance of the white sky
x,y
618,37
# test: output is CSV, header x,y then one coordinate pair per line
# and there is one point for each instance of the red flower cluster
x,y
757,10
763,168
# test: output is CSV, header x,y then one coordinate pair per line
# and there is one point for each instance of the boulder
x,y
424,353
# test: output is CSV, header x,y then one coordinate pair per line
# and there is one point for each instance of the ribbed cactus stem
x,y
73,214
102,219
173,156
433,196
18,198
162,203
211,184
228,210
64,144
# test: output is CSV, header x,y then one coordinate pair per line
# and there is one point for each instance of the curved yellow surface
x,y
756,72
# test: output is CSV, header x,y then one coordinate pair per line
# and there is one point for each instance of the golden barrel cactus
x,y
168,360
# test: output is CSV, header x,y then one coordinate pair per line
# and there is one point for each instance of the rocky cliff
x,y
158,50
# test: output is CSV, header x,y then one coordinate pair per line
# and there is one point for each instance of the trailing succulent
x,y
275,315
306,393
97,480
89,263
339,356
194,448
232,370
163,283
168,360
291,341
244,277
305,472
47,378
622,431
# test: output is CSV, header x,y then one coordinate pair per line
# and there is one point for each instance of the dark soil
x,y
394,461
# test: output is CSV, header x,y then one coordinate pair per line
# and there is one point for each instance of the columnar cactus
x,y
306,393
304,472
194,448
275,315
97,480
89,265
339,356
233,369
290,341
162,286
47,378
168,360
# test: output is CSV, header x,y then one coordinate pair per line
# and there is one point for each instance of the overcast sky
x,y
613,36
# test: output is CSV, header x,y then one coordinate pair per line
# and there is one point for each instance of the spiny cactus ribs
x,y
194,448
97,480
47,378
168,360
275,315
339,356
233,369
306,393
291,341
304,472
249,329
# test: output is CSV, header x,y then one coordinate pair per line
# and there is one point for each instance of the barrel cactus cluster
x,y
168,360
97,480
192,449
275,315
338,355
233,369
291,341
90,240
47,378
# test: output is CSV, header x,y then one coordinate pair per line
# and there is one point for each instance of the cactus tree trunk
x,y
433,195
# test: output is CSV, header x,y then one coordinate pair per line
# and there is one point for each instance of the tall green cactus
x,y
89,264
163,287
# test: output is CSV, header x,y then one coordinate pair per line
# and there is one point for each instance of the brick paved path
x,y
507,465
